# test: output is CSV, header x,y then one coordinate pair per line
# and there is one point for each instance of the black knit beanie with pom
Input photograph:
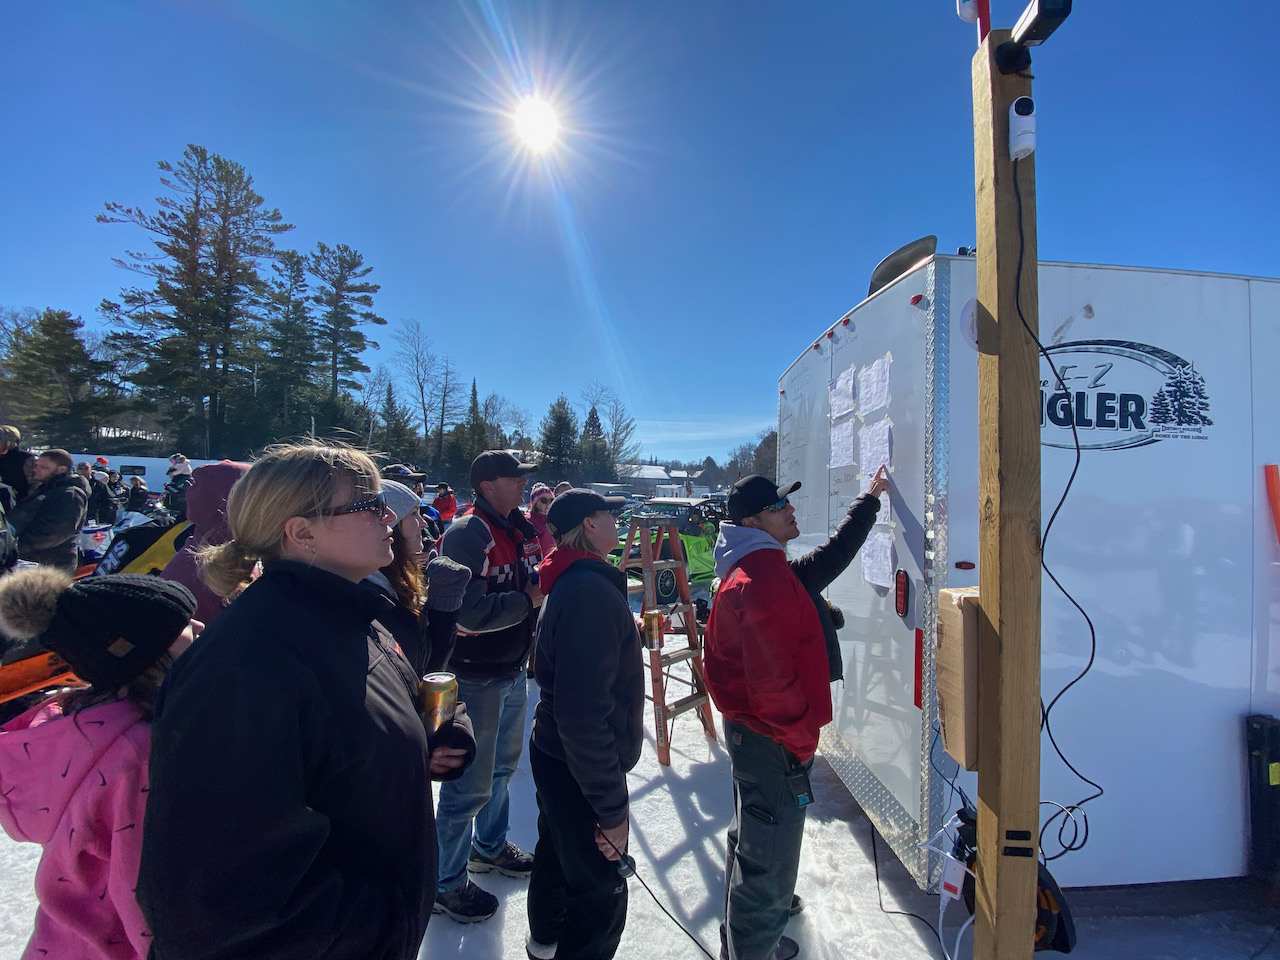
x,y
109,629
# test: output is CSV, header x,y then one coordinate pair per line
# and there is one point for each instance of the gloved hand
x,y
446,582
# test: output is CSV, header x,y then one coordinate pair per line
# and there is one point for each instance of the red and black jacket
x,y
495,624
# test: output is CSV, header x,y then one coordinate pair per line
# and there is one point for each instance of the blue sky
x,y
728,176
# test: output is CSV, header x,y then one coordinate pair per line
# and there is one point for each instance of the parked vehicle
x,y
698,522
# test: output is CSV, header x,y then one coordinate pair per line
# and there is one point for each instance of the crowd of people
x,y
247,772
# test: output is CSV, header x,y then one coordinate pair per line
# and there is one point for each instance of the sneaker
x,y
511,862
797,905
539,951
466,904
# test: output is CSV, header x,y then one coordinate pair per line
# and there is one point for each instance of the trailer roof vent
x,y
900,261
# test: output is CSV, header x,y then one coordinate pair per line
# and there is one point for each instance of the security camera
x,y
1039,20
1022,128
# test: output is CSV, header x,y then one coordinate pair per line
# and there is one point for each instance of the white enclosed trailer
x,y
1166,540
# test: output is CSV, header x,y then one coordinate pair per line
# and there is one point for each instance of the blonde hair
x,y
577,539
290,480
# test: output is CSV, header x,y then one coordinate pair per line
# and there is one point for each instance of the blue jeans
x,y
496,708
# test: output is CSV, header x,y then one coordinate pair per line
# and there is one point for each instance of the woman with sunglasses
x,y
539,503
290,811
424,623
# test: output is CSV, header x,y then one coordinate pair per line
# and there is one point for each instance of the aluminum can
x,y
653,631
437,697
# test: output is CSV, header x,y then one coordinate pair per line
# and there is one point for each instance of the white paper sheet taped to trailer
x,y
1157,542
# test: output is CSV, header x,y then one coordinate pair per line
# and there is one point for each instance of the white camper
x,y
1166,540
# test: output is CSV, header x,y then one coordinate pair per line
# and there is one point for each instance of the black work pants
x,y
763,850
576,897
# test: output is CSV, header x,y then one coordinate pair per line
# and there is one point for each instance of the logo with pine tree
x,y
1183,401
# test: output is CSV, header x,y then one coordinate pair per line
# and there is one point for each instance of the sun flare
x,y
536,124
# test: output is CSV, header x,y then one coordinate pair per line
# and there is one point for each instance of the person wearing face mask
x,y
73,770
290,812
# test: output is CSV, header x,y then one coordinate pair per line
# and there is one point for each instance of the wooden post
x,y
1009,525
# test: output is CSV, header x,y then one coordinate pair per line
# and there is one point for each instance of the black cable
x,y
875,859
951,780
1080,835
626,862
1270,940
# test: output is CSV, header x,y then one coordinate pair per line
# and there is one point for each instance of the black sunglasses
x,y
375,504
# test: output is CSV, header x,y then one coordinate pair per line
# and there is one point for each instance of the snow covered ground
x,y
679,815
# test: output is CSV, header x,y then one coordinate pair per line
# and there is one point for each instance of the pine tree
x,y
291,364
558,443
52,384
211,233
1188,397
468,440
1161,408
345,300
398,439
595,464
766,456
1199,397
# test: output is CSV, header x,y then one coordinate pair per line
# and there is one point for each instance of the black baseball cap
x,y
573,506
493,464
752,494
402,472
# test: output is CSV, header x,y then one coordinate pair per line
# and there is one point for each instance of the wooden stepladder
x,y
650,529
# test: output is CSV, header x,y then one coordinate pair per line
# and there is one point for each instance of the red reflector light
x,y
965,564
830,334
901,589
916,299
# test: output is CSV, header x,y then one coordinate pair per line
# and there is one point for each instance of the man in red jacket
x,y
771,654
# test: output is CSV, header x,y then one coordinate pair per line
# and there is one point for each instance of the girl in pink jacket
x,y
73,770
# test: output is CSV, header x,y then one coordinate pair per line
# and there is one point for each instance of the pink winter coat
x,y
77,785
545,540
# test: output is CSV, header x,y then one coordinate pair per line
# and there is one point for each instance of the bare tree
x,y
447,387
495,411
373,385
420,365
619,435
520,419
595,393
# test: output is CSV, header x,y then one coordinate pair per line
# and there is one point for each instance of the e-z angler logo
x,y
1120,394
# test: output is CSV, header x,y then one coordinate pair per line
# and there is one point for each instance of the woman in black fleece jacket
x,y
587,733
289,813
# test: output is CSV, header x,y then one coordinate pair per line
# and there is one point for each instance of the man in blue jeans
x,y
771,655
495,636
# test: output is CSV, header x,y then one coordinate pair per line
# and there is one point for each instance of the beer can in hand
x,y
437,696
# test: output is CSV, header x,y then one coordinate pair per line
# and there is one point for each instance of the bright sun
x,y
536,124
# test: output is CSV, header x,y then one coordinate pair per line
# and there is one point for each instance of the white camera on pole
x,y
1022,128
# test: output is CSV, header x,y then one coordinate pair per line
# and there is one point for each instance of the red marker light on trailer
x,y
844,322
817,346
782,393
915,300
830,334
965,564
901,589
